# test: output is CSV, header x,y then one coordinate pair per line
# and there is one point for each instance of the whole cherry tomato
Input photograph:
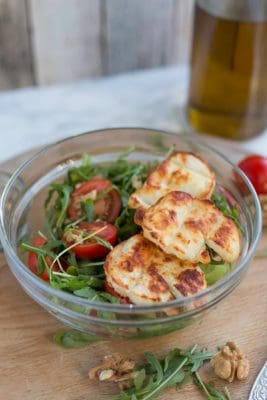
x,y
255,167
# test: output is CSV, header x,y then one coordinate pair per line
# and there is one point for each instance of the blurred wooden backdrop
x,y
54,41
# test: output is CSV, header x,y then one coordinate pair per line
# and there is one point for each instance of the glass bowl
x,y
21,213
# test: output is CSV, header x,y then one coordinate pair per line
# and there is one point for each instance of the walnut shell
x,y
242,369
230,363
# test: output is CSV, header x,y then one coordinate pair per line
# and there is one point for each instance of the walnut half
x,y
230,363
115,368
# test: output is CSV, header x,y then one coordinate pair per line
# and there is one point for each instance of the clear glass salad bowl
x,y
22,214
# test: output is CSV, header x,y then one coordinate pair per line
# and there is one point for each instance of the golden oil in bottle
x,y
228,84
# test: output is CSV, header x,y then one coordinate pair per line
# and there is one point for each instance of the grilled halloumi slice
x,y
182,171
182,226
143,273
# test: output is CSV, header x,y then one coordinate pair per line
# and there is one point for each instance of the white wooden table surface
x,y
153,98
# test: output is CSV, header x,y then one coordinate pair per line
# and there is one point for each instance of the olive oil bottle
x,y
228,84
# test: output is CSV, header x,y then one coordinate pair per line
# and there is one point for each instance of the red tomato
x,y
255,167
110,290
33,259
91,249
107,207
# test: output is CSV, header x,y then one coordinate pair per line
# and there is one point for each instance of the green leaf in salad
x,y
126,225
93,295
126,153
44,250
63,192
105,297
215,271
103,242
72,283
158,143
84,267
41,264
223,204
89,208
85,171
72,261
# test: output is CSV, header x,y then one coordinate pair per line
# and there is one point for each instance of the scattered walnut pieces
x,y
230,363
73,235
115,368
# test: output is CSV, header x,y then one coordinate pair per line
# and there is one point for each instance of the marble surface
x,y
153,99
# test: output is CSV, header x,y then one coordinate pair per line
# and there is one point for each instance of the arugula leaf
x,y
139,380
44,250
50,217
41,264
74,339
125,153
82,173
215,272
156,366
209,390
86,268
126,225
72,259
103,242
89,208
60,205
93,295
74,283
158,143
172,355
222,204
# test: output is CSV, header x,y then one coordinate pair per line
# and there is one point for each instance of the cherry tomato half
x,y
107,207
90,249
33,259
255,167
110,290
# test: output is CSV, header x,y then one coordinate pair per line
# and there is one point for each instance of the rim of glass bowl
x,y
124,308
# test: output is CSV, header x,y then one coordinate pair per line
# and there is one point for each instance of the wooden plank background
x,y
53,41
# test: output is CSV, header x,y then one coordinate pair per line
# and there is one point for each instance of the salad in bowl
x,y
130,240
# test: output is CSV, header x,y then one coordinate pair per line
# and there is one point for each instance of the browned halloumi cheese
x,y
182,226
142,272
182,171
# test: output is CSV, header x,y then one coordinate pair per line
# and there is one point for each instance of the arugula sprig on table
x,y
72,339
174,370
